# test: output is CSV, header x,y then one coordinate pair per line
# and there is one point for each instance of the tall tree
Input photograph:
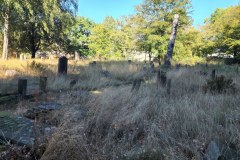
x,y
222,31
8,8
37,21
108,39
154,19
78,36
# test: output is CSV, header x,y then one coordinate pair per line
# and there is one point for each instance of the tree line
x,y
33,25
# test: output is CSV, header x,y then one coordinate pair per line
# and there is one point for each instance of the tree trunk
x,y
34,45
171,41
5,35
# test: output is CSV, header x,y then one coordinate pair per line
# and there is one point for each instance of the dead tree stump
x,y
62,66
22,86
43,84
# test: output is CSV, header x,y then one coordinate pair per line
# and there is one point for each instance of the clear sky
x,y
98,9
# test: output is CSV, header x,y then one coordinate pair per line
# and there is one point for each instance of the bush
x,y
219,85
37,67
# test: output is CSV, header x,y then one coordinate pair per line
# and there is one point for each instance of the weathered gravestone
x,y
22,86
169,86
213,75
42,109
22,57
93,63
77,57
19,130
161,79
62,65
43,84
151,67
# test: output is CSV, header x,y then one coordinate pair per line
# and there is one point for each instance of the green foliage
x,y
108,40
154,23
78,36
34,24
219,85
222,31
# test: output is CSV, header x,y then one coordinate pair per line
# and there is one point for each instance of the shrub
x,y
37,67
219,85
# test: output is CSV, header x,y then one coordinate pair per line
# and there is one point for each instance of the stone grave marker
x,y
62,65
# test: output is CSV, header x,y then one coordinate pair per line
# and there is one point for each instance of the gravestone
x,y
152,67
178,66
213,74
72,83
62,65
136,85
22,57
42,109
163,78
18,129
77,56
169,85
93,63
22,86
43,84
129,61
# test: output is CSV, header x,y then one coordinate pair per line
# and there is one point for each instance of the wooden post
x,y
169,85
213,74
43,84
62,65
22,86
171,42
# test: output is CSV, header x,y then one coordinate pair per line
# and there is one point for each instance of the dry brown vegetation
x,y
103,119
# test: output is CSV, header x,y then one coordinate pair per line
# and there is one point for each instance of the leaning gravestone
x,y
62,65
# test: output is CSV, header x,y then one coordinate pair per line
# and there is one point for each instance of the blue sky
x,y
98,9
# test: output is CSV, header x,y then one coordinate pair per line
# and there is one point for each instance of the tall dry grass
x,y
150,124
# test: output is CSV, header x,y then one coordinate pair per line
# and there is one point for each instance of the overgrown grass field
x,y
103,119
